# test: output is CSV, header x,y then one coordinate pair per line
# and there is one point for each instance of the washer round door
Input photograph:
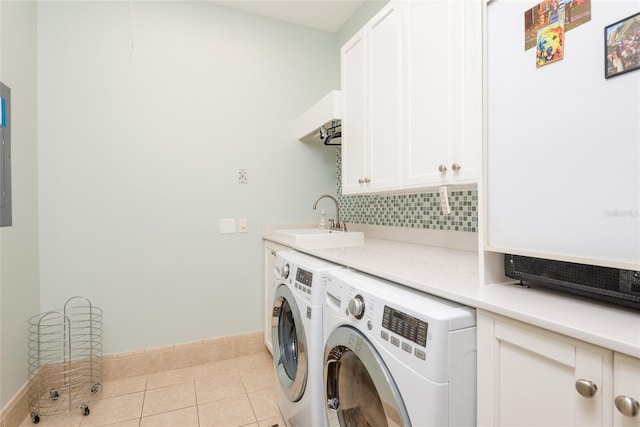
x,y
289,344
359,390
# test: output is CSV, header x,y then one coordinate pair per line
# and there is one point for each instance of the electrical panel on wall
x,y
6,217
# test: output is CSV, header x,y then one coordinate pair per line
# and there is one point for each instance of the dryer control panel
x,y
420,331
406,326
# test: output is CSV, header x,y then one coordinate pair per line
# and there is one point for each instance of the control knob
x,y
286,270
356,306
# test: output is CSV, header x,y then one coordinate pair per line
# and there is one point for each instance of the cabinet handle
x,y
442,168
273,252
627,406
364,181
456,167
361,181
586,388
367,180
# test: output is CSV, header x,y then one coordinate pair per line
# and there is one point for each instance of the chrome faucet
x,y
334,225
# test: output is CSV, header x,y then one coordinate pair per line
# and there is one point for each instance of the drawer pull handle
x,y
586,388
627,406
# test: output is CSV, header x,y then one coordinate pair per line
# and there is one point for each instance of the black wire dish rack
x,y
65,359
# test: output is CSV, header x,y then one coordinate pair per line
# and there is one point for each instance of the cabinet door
x,y
626,388
443,144
354,115
385,76
466,152
530,376
270,249
529,154
429,81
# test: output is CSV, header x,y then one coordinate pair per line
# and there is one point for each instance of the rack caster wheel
x,y
96,388
85,410
35,417
54,395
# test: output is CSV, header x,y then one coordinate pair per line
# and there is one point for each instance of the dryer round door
x,y
289,344
359,390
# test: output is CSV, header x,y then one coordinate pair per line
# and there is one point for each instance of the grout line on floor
x,y
144,397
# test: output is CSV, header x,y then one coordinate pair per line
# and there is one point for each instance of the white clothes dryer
x,y
394,356
297,337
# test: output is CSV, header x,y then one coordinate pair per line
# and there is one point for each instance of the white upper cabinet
x,y
372,105
354,108
444,103
412,98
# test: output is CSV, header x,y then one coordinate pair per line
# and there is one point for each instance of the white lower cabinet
x,y
626,391
270,249
530,376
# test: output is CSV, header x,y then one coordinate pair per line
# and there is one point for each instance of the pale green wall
x,y
19,290
139,152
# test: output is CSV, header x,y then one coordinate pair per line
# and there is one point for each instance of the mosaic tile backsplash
x,y
420,210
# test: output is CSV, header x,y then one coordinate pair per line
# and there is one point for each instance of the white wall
x,y
19,291
139,153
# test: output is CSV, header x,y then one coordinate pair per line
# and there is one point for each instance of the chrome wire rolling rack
x,y
65,359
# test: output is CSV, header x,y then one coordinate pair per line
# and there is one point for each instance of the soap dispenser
x,y
323,221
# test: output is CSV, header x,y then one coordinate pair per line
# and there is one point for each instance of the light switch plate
x,y
243,176
227,225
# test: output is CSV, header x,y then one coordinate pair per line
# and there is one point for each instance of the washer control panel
x,y
304,277
303,282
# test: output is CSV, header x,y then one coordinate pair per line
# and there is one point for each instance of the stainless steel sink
x,y
317,235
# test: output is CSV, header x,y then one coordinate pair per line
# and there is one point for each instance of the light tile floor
x,y
231,393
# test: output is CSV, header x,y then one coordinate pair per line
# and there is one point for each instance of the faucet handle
x,y
332,224
343,226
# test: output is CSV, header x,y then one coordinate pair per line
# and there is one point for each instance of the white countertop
x,y
453,274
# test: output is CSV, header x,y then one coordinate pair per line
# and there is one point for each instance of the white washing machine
x,y
297,336
396,356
